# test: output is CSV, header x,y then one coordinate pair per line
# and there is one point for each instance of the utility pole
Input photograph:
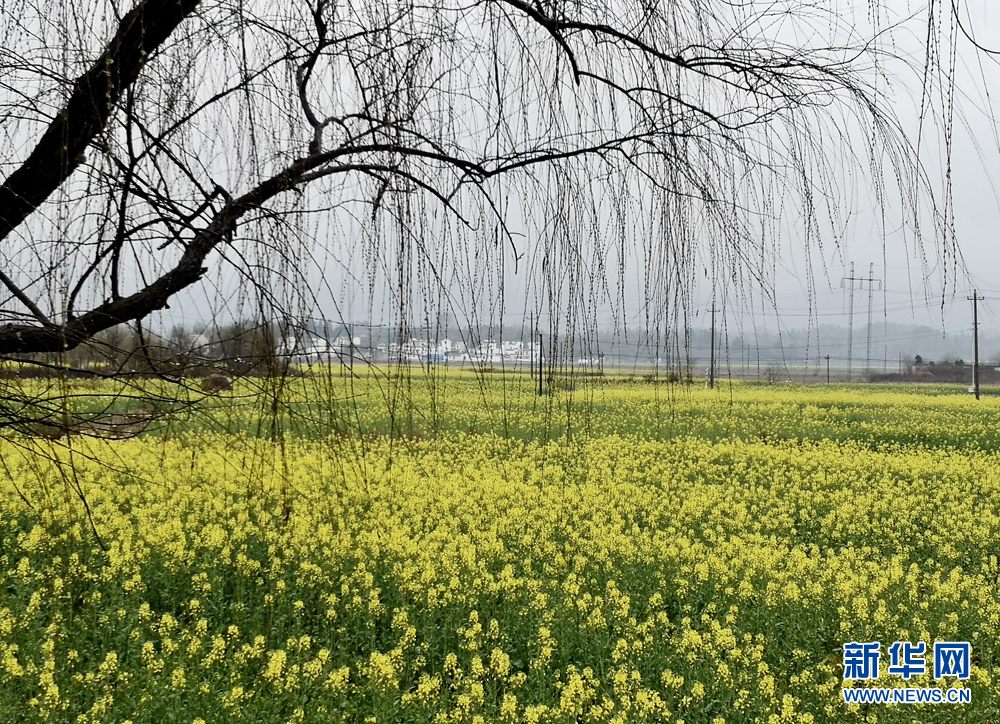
x,y
975,336
828,369
850,323
540,364
868,349
870,280
711,374
531,352
553,356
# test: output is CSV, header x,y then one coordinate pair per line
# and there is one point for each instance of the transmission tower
x,y
871,281
849,282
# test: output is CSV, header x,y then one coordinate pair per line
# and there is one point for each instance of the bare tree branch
x,y
95,94
414,134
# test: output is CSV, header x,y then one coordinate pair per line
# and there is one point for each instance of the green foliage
x,y
618,552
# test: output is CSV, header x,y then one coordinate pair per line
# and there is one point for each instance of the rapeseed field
x,y
454,550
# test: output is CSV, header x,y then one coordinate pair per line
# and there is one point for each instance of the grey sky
x,y
921,284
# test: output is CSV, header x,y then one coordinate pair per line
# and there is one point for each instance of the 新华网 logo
x,y
907,660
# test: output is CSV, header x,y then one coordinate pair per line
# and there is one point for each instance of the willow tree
x,y
193,153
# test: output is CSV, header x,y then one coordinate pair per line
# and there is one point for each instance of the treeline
x,y
241,348
943,371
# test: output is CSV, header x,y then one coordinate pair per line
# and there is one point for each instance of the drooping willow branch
x,y
377,130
